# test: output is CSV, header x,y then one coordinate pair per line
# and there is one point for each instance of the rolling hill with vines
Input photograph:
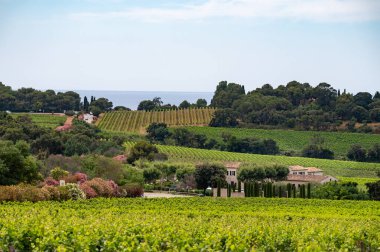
x,y
137,121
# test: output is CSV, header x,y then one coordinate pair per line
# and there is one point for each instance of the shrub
x,y
74,192
133,190
102,188
57,173
88,190
49,181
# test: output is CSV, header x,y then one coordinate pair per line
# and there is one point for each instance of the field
x,y
290,140
137,121
330,167
44,120
191,224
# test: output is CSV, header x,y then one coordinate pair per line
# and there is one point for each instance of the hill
x,y
137,121
330,167
291,140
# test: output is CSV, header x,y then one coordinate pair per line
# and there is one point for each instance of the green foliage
x,y
200,224
151,174
226,94
224,118
335,190
209,174
357,153
316,149
16,165
142,150
58,173
157,132
250,172
374,190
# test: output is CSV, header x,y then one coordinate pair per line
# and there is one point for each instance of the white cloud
x,y
314,10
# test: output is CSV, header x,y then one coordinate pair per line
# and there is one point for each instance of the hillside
x,y
137,121
330,167
291,140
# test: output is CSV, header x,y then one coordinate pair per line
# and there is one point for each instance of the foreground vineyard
x,y
330,167
191,224
290,140
139,120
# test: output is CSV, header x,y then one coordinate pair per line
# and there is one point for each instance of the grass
x,y
44,120
330,167
290,140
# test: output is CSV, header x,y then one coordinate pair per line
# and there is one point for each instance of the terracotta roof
x,y
232,165
308,178
297,168
301,168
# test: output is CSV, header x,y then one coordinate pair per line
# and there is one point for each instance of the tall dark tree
x,y
226,94
86,104
209,174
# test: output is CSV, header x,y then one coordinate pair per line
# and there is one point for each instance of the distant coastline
x,y
131,99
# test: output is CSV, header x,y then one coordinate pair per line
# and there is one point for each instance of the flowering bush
x,y
74,191
102,188
88,190
51,182
132,190
81,177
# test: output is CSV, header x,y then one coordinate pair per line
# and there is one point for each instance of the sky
x,y
189,45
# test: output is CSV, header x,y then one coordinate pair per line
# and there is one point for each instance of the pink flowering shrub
x,y
81,177
88,190
49,181
102,187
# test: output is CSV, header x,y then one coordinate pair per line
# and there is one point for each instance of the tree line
x,y
49,101
294,105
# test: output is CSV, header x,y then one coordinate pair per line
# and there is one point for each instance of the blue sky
x,y
189,45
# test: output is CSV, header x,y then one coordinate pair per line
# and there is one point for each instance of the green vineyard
x,y
291,140
330,167
191,224
44,120
137,121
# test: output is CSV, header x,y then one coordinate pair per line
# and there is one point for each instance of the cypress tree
x,y
280,191
218,190
273,190
229,190
294,191
289,189
239,186
309,191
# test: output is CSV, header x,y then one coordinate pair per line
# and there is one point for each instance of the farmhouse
x,y
297,174
302,175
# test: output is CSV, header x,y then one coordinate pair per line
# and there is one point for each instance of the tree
x,y
201,103
146,105
224,118
357,153
363,99
184,105
142,150
374,153
103,103
16,165
151,174
360,113
374,190
86,104
208,174
226,94
249,173
157,132
121,108
316,149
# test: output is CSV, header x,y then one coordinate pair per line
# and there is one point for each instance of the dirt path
x,y
163,195
69,121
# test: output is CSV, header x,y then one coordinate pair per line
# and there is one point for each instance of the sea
x,y
131,99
